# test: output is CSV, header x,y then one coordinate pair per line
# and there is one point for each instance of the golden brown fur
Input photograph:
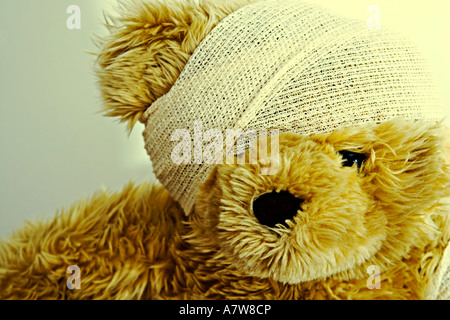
x,y
148,46
387,214
138,244
113,238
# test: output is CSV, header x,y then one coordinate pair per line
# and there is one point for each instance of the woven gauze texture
x,y
441,282
287,65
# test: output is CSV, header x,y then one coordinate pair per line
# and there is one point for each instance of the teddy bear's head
x,y
339,203
354,172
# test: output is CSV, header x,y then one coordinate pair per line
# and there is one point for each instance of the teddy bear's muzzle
x,y
276,207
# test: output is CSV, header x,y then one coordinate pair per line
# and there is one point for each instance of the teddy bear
x,y
299,155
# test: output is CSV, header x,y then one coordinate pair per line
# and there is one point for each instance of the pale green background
x,y
55,147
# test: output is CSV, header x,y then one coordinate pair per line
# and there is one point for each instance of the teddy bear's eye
x,y
350,158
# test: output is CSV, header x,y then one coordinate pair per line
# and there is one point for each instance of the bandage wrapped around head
x,y
287,65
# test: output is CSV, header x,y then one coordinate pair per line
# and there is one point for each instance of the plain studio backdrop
x,y
57,148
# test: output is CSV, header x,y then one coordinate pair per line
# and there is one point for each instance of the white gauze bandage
x,y
288,65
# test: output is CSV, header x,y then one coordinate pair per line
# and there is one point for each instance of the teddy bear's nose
x,y
276,207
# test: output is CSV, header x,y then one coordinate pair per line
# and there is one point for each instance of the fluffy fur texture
x,y
148,46
138,244
350,220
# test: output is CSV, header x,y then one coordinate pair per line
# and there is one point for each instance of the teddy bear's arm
x,y
121,244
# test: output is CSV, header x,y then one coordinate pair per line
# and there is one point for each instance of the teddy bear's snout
x,y
276,207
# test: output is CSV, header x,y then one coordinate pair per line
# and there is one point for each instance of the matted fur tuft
x,y
148,45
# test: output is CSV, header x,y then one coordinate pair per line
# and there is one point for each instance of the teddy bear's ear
x,y
148,45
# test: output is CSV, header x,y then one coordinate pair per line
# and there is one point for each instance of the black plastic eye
x,y
351,158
